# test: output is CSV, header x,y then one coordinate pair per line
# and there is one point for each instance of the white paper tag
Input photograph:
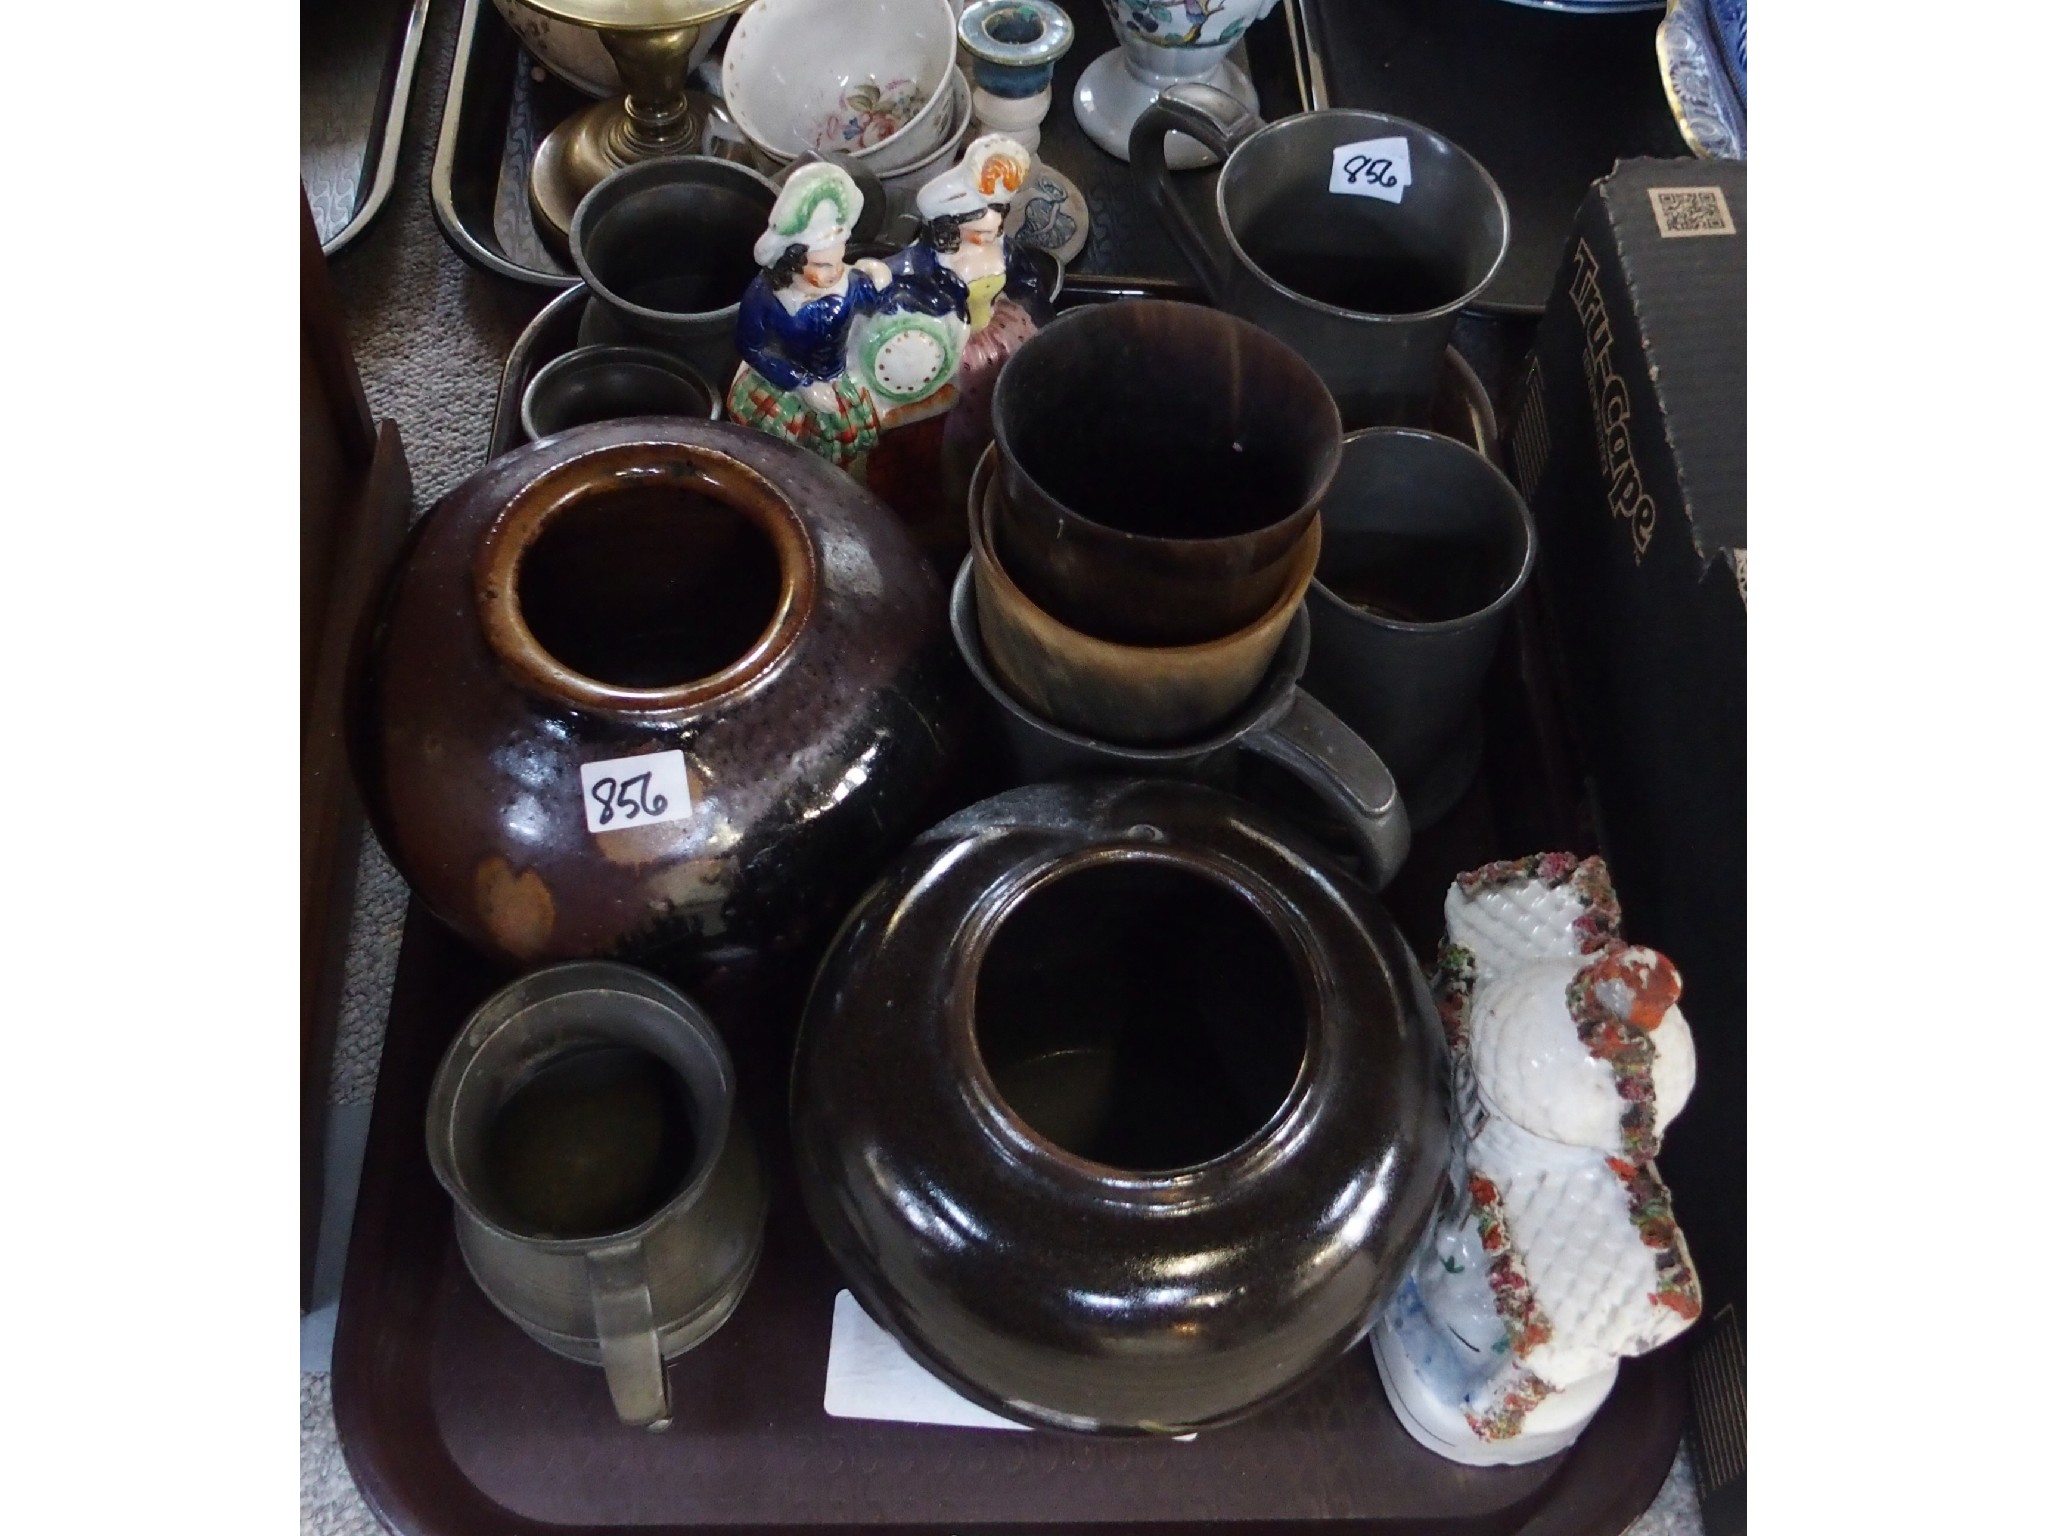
x,y
635,791
868,1376
1371,168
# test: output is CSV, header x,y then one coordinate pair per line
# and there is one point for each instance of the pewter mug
x,y
628,1299
1352,236
666,247
1425,546
1280,723
605,383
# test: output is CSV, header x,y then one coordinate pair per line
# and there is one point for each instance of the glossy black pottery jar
x,y
1120,1106
663,690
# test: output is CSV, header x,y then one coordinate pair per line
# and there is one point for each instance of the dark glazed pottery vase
x,y
684,600
1120,1106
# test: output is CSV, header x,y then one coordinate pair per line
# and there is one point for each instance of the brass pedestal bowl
x,y
650,41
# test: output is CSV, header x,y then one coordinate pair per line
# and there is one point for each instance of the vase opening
x,y
1140,1014
1015,24
649,586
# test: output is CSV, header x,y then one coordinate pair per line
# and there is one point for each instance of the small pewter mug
x,y
1353,237
667,249
605,383
668,1266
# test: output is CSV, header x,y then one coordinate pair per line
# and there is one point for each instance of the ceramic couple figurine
x,y
1559,1255
835,354
795,318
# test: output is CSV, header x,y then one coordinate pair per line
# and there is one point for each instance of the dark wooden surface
x,y
354,495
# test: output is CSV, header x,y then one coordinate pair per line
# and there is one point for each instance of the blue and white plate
x,y
1703,53
1590,7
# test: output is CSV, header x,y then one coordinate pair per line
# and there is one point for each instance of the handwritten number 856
x,y
1377,172
632,802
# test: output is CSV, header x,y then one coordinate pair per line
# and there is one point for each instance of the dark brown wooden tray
x,y
497,112
455,1424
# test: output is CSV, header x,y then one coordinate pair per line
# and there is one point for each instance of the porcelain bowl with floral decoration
x,y
868,80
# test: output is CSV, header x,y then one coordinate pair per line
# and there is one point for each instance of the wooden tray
x,y
456,1424
497,112
355,493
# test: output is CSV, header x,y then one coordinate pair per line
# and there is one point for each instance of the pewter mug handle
x,y
1219,122
1347,775
627,1341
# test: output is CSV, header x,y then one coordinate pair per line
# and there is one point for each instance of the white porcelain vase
x,y
1161,44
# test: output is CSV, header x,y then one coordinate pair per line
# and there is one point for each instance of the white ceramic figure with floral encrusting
x,y
1559,1256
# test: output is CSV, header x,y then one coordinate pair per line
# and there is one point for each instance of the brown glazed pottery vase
x,y
1119,1104
685,600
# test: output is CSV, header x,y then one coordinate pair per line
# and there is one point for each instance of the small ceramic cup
x,y
1160,465
1425,546
607,1195
1280,723
867,80
603,383
1138,695
667,249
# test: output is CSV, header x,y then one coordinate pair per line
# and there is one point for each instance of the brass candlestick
x,y
650,41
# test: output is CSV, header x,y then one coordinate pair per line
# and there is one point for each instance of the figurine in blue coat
x,y
795,318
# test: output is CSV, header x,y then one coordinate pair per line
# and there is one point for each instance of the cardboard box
x,y
1628,437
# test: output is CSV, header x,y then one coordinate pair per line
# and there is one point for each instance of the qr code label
x,y
1685,211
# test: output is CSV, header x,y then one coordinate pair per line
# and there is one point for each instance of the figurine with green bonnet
x,y
794,320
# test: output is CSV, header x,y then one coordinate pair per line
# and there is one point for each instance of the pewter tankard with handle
x,y
1352,236
628,1299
